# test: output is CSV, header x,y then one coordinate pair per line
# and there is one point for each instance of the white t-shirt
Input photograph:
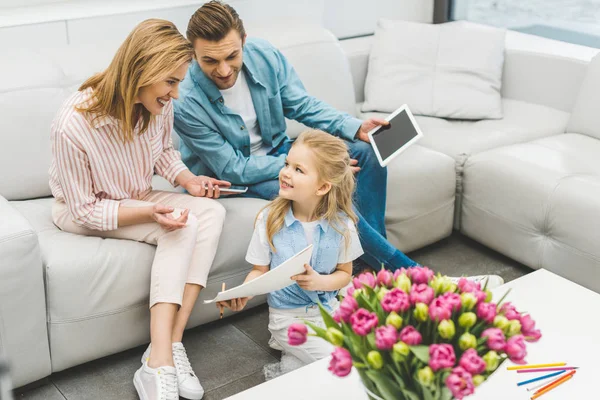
x,y
239,100
259,251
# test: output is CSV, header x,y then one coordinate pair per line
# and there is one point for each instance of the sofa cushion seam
x,y
581,252
29,232
446,204
99,315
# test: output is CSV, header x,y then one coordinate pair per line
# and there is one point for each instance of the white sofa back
x,y
585,118
34,83
532,72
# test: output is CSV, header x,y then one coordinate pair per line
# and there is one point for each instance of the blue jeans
x,y
369,200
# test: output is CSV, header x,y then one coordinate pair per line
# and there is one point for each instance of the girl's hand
x,y
309,280
162,215
234,304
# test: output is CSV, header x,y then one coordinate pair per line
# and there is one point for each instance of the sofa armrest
x,y
23,329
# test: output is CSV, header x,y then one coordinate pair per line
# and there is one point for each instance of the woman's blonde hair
x,y
332,162
152,51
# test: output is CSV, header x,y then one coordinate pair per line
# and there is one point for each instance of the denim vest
x,y
289,241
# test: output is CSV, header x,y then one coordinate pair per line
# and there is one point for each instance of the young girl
x,y
108,140
314,206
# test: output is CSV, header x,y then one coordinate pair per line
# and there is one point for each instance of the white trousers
x,y
280,320
182,256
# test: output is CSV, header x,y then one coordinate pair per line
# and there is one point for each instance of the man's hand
x,y
203,186
354,165
309,280
367,126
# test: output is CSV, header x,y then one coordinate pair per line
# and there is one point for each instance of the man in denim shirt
x,y
231,120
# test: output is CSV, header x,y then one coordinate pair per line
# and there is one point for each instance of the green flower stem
x,y
499,304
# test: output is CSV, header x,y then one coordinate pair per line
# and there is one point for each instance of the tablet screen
x,y
392,137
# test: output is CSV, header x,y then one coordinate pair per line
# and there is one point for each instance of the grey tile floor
x,y
229,355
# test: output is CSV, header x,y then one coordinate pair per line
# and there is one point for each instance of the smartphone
x,y
233,189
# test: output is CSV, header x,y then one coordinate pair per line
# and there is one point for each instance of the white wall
x,y
41,23
22,3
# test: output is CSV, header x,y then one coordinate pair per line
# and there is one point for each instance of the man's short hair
x,y
213,21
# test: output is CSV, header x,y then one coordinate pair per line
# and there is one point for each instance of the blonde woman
x,y
314,206
108,140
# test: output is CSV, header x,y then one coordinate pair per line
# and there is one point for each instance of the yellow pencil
x,y
515,367
549,388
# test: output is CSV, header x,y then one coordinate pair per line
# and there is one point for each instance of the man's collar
x,y
208,86
289,219
250,66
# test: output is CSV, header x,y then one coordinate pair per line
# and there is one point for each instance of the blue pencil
x,y
540,378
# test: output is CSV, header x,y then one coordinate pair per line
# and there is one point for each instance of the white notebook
x,y
273,280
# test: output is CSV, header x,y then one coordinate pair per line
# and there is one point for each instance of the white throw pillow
x,y
451,70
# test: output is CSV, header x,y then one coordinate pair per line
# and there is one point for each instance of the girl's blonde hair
x,y
152,51
332,162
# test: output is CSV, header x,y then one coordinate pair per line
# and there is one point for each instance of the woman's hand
x,y
234,304
203,186
309,280
162,215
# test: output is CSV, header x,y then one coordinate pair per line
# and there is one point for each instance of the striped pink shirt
x,y
92,169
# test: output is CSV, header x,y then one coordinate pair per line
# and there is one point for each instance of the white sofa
x,y
528,184
67,299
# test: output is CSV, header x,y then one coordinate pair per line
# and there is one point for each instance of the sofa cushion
x,y
522,122
420,198
537,202
96,285
585,118
451,70
30,94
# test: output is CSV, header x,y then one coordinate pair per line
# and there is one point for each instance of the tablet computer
x,y
391,140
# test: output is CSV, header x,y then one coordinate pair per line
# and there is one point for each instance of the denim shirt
x,y
289,241
215,140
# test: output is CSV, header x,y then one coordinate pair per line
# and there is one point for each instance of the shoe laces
x,y
182,363
168,384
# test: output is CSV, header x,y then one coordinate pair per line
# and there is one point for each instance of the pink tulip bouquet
x,y
412,335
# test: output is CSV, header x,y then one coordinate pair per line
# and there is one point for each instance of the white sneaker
x,y
188,383
493,281
274,344
156,383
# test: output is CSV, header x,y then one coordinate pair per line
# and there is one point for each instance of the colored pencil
x,y
536,387
567,377
554,382
530,366
539,378
523,371
221,307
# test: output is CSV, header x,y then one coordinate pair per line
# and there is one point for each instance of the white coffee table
x,y
566,313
